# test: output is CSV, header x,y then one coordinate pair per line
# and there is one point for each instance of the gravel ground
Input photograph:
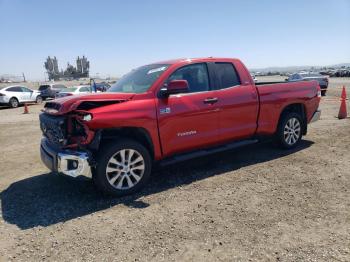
x,y
255,203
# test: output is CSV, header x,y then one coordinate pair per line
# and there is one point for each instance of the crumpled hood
x,y
67,104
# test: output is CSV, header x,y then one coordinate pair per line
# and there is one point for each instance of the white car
x,y
75,90
16,95
254,78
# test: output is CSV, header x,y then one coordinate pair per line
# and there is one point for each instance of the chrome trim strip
x,y
81,158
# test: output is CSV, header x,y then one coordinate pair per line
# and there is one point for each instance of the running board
x,y
205,152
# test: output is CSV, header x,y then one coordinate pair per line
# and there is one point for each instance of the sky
x,y
118,36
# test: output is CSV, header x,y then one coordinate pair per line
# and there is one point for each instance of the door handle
x,y
211,100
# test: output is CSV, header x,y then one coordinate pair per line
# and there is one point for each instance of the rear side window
x,y
227,75
14,89
196,76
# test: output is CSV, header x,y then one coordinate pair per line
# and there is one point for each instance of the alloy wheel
x,y
292,131
125,169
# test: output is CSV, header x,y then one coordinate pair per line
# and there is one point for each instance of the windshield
x,y
139,80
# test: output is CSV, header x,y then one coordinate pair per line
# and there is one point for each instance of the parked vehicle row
x,y
51,90
75,90
16,95
342,72
309,76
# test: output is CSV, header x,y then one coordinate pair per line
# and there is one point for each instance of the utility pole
x,y
24,78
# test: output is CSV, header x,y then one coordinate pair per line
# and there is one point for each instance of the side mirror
x,y
286,79
174,87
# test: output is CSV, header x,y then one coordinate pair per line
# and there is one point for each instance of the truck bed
x,y
275,96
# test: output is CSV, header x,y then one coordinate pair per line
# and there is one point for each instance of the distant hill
x,y
297,68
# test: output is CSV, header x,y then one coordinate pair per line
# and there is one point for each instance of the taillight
x,y
319,94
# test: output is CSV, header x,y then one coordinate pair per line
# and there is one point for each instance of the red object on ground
x,y
343,93
26,111
342,110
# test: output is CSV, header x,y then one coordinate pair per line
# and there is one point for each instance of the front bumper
x,y
67,162
316,116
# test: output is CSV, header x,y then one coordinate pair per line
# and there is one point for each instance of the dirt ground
x,y
254,203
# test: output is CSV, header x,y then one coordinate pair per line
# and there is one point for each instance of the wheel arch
x,y
14,97
138,134
298,108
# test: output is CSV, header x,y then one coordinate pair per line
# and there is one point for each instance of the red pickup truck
x,y
167,112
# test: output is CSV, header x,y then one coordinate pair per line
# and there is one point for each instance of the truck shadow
x,y
48,199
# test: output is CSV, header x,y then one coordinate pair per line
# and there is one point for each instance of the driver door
x,y
190,120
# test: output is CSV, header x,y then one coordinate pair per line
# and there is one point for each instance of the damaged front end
x,y
65,146
69,144
67,131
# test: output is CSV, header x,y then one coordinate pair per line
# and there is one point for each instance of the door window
x,y
24,89
196,76
227,75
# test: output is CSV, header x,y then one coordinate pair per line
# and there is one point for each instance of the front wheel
x,y
122,168
289,131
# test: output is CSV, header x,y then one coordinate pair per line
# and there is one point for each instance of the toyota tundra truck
x,y
170,111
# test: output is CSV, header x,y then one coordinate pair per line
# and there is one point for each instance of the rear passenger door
x,y
237,102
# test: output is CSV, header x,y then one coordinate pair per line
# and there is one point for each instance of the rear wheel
x,y
122,168
39,100
13,102
290,130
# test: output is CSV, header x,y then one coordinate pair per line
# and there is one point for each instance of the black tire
x,y
289,141
39,100
13,102
323,92
99,174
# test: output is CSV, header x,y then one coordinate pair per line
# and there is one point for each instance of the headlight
x,y
87,117
50,110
